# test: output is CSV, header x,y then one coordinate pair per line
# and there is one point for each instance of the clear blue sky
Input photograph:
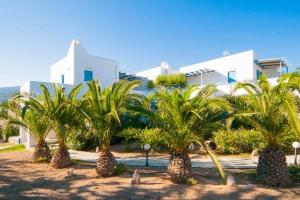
x,y
139,33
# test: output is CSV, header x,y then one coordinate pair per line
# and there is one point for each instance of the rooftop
x,y
272,62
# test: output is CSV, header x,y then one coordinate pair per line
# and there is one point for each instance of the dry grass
x,y
22,179
18,147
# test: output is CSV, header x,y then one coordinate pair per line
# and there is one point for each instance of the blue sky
x,y
141,33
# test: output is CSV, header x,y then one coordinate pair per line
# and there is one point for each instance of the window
x,y
258,74
62,79
283,70
232,77
88,75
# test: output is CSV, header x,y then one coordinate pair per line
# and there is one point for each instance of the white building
x,y
153,73
78,66
227,70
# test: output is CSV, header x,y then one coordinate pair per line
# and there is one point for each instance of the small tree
x,y
102,109
269,109
289,84
36,124
176,113
169,81
62,113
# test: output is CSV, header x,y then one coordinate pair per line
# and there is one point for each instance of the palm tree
x,y
181,116
268,109
103,108
61,112
289,84
36,124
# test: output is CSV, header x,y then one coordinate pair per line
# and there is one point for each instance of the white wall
x,y
65,67
104,70
272,73
242,63
153,73
78,60
150,74
33,88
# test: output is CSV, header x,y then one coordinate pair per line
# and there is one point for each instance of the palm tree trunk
x,y
180,167
106,164
272,168
41,152
61,158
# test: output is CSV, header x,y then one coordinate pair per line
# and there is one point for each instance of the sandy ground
x,y
22,179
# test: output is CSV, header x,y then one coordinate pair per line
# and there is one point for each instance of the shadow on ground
x,y
21,179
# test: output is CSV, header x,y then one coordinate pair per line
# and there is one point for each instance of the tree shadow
x,y
16,183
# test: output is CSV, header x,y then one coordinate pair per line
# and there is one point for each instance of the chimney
x,y
226,53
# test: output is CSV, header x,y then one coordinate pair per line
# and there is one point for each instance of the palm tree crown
x,y
268,108
59,109
181,115
104,106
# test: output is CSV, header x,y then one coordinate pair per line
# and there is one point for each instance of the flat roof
x,y
128,76
197,72
272,62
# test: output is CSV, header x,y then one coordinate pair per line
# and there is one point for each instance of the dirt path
x,y
21,179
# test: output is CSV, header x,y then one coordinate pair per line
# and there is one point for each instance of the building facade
x,y
225,71
78,66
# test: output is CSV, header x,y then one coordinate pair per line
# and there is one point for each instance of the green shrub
x,y
295,173
244,141
81,140
7,131
191,181
150,136
240,141
131,134
143,136
120,169
287,140
171,81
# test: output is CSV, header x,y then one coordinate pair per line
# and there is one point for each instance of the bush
x,y
287,140
81,140
131,135
171,81
120,169
240,141
191,181
244,141
144,136
295,173
7,131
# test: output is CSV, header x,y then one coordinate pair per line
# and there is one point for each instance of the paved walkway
x,y
229,163
238,163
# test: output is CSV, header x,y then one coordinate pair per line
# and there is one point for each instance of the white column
x,y
201,79
22,135
280,68
30,140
